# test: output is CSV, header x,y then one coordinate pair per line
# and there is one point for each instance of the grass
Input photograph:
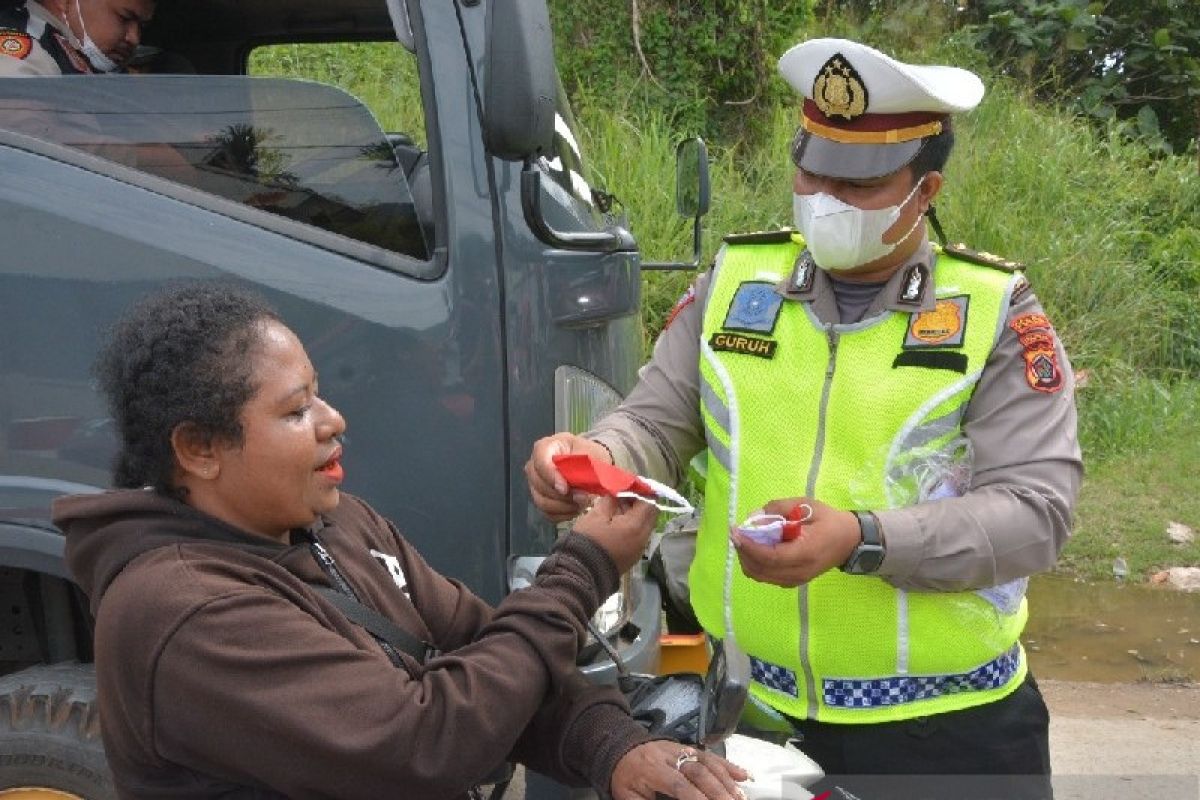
x,y
383,75
1143,477
1110,236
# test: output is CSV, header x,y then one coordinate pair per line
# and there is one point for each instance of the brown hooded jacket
x,y
221,673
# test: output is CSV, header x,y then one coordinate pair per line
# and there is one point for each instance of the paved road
x,y
1115,741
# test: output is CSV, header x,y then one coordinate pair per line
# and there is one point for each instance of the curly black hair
x,y
179,355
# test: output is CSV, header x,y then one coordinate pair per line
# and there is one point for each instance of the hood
x,y
106,531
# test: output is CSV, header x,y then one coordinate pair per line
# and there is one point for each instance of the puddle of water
x,y
1111,632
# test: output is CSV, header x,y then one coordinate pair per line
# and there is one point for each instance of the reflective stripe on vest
x,y
857,416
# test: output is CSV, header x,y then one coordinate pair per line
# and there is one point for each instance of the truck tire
x,y
50,747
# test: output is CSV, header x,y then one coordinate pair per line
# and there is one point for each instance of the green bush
x,y
708,65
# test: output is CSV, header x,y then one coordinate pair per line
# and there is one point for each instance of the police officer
x,y
56,37
913,403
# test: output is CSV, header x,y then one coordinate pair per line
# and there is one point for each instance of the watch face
x,y
869,560
866,559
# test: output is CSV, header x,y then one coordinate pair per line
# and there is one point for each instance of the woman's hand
x,y
622,527
677,771
549,489
826,540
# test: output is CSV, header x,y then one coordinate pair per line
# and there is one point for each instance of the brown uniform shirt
x,y
1013,520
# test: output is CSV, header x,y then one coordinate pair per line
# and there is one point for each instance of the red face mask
x,y
585,474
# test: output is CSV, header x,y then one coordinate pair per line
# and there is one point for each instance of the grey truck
x,y
460,286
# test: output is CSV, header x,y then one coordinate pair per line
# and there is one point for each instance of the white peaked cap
x,y
865,114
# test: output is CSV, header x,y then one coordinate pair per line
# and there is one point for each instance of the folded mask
x,y
585,474
775,528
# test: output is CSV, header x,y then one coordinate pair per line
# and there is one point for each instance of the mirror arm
x,y
531,201
697,252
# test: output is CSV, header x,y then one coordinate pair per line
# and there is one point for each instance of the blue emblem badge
x,y
755,308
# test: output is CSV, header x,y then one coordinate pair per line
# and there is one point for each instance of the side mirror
x,y
726,687
691,197
687,707
520,90
691,178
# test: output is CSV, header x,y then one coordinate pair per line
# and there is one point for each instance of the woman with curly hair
x,y
221,568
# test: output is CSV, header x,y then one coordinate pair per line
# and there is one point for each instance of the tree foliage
x,y
1134,64
710,62
1133,61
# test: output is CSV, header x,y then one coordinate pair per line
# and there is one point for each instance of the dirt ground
x,y
1124,740
1123,728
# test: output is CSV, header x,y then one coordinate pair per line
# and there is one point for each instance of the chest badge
x,y
15,44
944,326
754,309
805,271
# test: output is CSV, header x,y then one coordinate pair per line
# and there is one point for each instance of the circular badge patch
x,y
15,44
935,327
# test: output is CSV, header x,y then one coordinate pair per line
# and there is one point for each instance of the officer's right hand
x,y
547,486
621,526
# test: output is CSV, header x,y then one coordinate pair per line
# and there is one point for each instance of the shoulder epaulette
x,y
960,250
761,237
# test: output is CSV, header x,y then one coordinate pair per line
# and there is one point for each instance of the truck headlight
x,y
580,400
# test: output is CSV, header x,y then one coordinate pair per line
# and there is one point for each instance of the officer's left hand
x,y
826,542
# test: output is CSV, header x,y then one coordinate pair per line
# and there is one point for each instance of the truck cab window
x,y
301,150
383,76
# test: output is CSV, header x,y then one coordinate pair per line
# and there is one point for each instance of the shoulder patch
x,y
761,237
960,250
15,44
1036,335
1022,288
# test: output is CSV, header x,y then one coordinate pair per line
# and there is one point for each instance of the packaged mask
x,y
774,528
586,474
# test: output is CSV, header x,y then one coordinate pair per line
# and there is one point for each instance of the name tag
x,y
747,345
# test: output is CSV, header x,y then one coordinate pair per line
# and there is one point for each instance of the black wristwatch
x,y
867,557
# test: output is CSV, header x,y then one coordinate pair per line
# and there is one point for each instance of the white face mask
x,y
95,56
841,236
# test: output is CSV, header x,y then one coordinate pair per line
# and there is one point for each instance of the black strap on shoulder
x,y
377,624
391,637
937,225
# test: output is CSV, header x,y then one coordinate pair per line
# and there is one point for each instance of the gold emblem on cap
x,y
838,89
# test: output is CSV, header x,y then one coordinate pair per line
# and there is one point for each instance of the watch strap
x,y
867,557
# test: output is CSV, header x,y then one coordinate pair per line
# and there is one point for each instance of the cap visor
x,y
832,159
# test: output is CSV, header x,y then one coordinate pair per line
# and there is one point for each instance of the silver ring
x,y
686,756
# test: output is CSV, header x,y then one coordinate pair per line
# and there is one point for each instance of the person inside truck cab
x,y
260,632
913,403
70,37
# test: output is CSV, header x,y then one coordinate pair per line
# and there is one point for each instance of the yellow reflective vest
x,y
859,416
